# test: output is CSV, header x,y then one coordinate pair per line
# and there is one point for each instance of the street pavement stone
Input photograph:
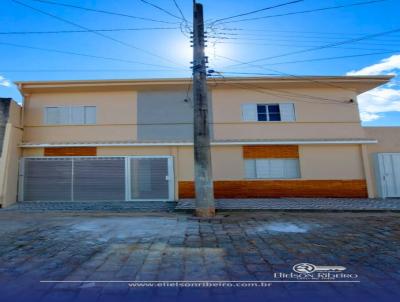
x,y
92,249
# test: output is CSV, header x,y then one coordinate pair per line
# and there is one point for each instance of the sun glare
x,y
184,53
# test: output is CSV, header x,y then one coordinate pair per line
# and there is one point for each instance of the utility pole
x,y
204,188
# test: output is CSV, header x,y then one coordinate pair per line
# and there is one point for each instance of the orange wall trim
x,y
71,151
281,188
290,151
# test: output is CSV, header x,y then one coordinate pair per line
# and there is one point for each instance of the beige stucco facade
x,y
388,142
332,144
316,161
331,162
10,156
116,116
320,113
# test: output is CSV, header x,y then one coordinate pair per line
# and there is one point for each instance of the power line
x,y
305,46
242,32
182,26
181,13
303,41
102,11
190,123
161,9
324,46
248,73
283,93
92,70
298,35
188,98
239,30
307,11
83,55
294,38
334,58
291,93
299,77
255,11
84,31
94,32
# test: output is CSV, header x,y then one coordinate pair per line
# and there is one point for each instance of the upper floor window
x,y
70,115
268,112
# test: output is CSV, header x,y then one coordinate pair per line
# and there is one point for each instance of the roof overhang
x,y
358,84
213,143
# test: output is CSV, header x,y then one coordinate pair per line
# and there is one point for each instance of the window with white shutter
x,y
250,168
70,115
291,168
56,115
249,112
52,115
287,112
268,112
90,114
65,115
77,115
275,168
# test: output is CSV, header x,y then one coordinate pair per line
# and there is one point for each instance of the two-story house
x,y
132,140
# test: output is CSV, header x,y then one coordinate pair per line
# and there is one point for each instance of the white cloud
x,y
369,117
4,82
386,66
381,99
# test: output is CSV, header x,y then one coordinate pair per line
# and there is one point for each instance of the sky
x,y
40,40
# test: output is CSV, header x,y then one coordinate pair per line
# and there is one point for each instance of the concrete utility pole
x,y
204,188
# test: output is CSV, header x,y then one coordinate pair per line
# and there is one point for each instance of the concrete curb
x,y
189,211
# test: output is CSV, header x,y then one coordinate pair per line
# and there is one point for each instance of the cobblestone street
x,y
235,246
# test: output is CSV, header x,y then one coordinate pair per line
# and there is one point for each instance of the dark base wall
x,y
281,188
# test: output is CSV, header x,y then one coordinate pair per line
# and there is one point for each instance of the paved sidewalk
x,y
89,248
297,204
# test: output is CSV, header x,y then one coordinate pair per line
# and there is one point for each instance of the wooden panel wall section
x,y
70,151
356,188
272,151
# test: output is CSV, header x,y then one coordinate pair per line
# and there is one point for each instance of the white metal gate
x,y
96,178
387,167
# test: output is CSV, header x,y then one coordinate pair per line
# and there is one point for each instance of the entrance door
x,y
388,174
150,178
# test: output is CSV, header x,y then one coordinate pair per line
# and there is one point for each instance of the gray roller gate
x,y
99,178
96,178
47,180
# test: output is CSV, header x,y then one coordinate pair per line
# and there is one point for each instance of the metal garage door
x,y
387,166
96,178
47,180
99,178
